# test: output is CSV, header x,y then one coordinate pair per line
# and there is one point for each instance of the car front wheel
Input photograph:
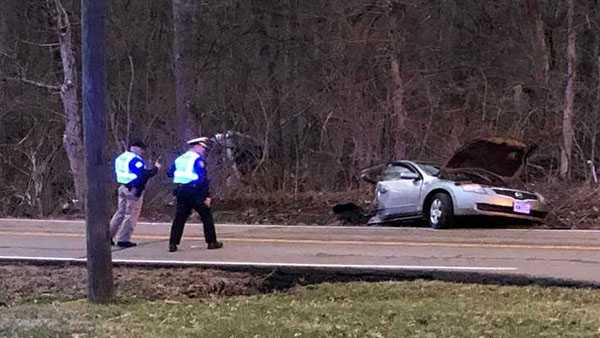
x,y
440,212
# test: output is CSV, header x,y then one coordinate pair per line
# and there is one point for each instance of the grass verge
x,y
394,309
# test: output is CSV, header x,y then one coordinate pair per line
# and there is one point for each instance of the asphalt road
x,y
570,255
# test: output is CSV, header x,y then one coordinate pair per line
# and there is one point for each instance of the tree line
x,y
323,88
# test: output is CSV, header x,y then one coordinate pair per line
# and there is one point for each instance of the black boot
x,y
126,244
215,245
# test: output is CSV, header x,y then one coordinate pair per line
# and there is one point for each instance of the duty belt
x,y
180,185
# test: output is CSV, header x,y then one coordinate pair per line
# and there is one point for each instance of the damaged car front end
x,y
478,180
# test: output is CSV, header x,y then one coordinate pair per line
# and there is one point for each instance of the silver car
x,y
475,181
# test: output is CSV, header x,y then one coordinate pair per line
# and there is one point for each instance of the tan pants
x,y
127,214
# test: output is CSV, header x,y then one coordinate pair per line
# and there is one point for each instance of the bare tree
x,y
68,89
396,37
184,13
538,38
568,131
73,134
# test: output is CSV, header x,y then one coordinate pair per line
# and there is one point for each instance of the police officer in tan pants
x,y
132,176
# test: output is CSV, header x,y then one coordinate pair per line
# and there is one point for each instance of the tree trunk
x,y
99,261
278,143
568,132
398,83
596,108
7,28
7,38
296,124
73,135
184,12
542,62
398,108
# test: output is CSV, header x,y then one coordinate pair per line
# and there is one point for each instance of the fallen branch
x,y
34,83
53,44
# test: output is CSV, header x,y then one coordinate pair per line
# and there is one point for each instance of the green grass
x,y
404,309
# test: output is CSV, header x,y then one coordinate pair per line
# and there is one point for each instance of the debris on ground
x,y
350,213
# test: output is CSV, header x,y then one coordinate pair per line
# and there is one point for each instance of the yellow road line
x,y
338,242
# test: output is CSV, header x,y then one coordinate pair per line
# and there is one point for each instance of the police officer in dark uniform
x,y
192,193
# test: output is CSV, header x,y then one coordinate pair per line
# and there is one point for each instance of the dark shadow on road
x,y
474,222
282,279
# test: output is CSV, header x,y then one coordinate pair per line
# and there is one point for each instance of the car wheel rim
x,y
435,211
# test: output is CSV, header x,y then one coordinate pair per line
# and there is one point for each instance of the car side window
x,y
393,172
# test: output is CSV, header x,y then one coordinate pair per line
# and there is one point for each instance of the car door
x,y
398,192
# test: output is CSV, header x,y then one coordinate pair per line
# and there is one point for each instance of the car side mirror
x,y
409,176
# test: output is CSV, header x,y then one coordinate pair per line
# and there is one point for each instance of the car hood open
x,y
495,160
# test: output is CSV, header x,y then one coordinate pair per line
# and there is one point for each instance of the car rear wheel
x,y
440,213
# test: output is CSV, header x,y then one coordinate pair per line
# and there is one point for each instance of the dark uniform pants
x,y
189,199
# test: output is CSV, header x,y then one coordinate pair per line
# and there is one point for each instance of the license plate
x,y
522,207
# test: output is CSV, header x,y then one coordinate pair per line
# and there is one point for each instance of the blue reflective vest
x,y
122,168
184,168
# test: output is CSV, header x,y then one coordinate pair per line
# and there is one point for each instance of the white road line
x,y
259,264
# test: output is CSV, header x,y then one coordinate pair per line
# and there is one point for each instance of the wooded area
x,y
322,88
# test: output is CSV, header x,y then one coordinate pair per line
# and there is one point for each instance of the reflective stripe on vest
x,y
124,175
184,168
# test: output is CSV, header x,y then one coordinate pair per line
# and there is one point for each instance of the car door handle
x,y
382,190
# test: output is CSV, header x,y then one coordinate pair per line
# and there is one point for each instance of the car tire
x,y
440,211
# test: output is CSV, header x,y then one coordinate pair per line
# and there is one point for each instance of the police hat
x,y
138,143
203,141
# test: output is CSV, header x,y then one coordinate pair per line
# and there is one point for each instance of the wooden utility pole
x,y
99,260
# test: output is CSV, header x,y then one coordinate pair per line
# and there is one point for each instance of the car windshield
x,y
430,169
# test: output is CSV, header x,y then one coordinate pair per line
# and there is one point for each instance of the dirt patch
x,y
575,206
26,283
23,283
